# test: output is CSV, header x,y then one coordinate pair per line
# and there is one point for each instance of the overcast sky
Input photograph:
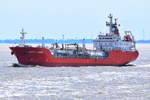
x,y
73,18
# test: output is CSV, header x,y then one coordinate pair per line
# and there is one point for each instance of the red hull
x,y
43,57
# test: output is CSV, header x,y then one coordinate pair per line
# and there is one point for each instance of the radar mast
x,y
110,23
22,37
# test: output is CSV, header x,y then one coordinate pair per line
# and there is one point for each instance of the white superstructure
x,y
112,40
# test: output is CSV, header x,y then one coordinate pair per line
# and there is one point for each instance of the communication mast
x,y
43,42
110,23
22,37
112,26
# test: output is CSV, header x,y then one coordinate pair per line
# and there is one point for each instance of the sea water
x,y
75,83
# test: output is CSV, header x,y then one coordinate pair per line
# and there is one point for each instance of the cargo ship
x,y
109,49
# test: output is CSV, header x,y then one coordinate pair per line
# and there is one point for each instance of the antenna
x,y
63,37
116,21
43,44
110,23
83,44
22,37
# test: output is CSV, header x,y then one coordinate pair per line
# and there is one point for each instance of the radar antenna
x,y
116,21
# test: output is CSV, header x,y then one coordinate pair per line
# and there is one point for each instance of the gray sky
x,y
73,18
